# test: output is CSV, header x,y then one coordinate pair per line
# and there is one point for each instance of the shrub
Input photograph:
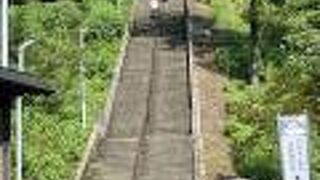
x,y
53,136
290,81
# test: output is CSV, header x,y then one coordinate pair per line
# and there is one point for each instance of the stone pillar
x,y
5,107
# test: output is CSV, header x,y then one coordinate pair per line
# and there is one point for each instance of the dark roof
x,y
13,83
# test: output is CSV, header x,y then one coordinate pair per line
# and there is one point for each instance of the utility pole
x,y
82,77
4,33
5,110
19,129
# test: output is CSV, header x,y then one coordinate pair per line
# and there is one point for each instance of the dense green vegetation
x,y
289,44
53,136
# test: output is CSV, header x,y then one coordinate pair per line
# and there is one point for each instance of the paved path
x,y
149,134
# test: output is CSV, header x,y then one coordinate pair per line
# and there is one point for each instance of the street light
x,y
21,55
82,70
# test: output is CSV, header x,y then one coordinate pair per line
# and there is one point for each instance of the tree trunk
x,y
254,38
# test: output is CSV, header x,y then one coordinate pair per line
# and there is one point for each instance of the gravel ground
x,y
215,151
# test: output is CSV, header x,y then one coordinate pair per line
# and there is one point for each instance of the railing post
x,y
82,71
19,129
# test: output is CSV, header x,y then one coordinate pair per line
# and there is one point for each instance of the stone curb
x,y
198,165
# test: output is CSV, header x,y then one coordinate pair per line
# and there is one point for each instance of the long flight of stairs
x,y
149,133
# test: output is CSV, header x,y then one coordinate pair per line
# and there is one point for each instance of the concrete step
x,y
169,114
168,157
112,160
139,54
130,105
168,59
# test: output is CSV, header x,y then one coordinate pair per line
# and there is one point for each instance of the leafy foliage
x,y
53,136
290,39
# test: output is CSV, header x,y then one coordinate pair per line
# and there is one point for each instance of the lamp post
x,y
19,140
82,70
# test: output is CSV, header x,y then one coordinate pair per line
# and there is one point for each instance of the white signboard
x,y
293,135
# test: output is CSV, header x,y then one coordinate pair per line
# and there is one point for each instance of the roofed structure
x,y
15,83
